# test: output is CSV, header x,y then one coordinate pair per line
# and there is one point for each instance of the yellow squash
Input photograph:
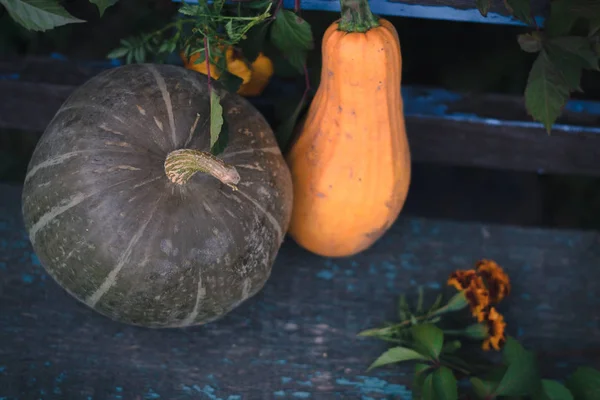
x,y
351,163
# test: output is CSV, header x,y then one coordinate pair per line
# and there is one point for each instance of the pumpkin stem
x,y
182,164
356,16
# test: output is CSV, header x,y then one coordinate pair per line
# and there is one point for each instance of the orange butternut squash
x,y
350,161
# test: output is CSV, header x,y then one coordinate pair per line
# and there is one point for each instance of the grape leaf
x,y
585,383
521,9
429,339
484,6
522,376
216,118
103,4
39,15
575,50
546,92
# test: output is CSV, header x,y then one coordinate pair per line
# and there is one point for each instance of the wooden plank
x,y
451,10
297,338
483,130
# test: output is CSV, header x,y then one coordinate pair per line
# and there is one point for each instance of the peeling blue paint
x,y
304,383
151,395
434,285
525,296
325,274
27,278
376,385
286,379
279,393
2,368
301,395
281,362
10,77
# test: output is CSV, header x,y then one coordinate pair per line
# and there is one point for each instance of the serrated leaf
x,y
429,339
118,52
444,384
484,6
553,390
530,42
521,9
229,29
522,376
38,15
396,355
584,383
216,118
103,5
561,20
189,9
576,50
547,91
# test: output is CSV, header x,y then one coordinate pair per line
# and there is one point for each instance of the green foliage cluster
x,y
563,53
446,368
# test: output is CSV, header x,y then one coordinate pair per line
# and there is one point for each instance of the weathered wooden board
x,y
483,130
453,10
297,338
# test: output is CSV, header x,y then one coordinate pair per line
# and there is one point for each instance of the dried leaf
x,y
216,118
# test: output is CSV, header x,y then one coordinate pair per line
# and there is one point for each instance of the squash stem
x,y
182,164
356,16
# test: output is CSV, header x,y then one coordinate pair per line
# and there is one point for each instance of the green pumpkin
x,y
122,219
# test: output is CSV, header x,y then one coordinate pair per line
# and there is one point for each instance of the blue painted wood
x,y
297,338
410,10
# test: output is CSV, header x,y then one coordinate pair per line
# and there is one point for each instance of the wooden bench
x,y
297,338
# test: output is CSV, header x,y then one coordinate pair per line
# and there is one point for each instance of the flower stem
x,y
182,164
356,16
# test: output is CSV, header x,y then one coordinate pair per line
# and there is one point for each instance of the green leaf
x,y
221,143
585,383
429,339
403,309
594,26
289,31
522,376
482,388
421,373
575,50
230,81
436,304
547,91
456,303
521,9
444,384
38,15
254,42
103,4
476,331
451,347
552,390
216,118
483,6
229,29
118,52
285,131
395,355
561,20
530,42
427,390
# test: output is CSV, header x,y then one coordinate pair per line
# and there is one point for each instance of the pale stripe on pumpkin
x,y
167,99
111,279
270,216
272,149
200,295
55,212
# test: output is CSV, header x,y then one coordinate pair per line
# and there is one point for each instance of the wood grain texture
x,y
297,338
497,128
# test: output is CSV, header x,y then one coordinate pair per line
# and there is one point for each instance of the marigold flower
x,y
496,280
461,279
478,297
496,325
